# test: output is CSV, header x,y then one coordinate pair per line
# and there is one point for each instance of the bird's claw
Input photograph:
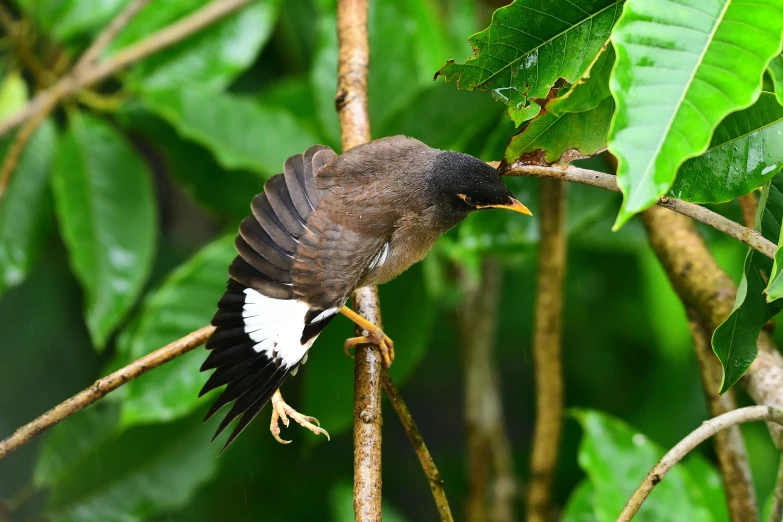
x,y
282,411
377,337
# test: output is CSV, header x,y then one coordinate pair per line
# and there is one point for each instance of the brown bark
x,y
492,488
546,350
351,104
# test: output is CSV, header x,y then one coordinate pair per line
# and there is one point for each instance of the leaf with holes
x,y
734,340
106,210
746,152
552,139
184,302
529,45
590,90
682,66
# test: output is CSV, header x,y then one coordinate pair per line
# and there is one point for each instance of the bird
x,y
326,225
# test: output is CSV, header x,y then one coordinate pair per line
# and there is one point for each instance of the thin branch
x,y
17,147
351,103
22,47
490,461
109,33
417,441
776,513
593,178
729,444
102,387
546,350
749,205
707,290
696,437
166,37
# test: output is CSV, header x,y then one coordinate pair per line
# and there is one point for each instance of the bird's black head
x,y
462,184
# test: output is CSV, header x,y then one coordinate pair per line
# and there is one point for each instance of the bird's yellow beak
x,y
515,205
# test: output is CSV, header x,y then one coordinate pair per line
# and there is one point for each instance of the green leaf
x,y
67,20
550,139
328,374
616,458
211,58
239,131
579,507
734,340
226,194
746,152
775,69
141,473
680,70
24,210
590,90
13,94
73,441
106,209
186,301
529,45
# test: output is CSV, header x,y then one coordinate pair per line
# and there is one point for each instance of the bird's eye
x,y
467,199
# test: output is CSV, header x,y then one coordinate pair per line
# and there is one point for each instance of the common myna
x,y
327,225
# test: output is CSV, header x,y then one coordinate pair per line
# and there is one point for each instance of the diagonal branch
x,y
351,102
166,37
594,178
696,437
104,386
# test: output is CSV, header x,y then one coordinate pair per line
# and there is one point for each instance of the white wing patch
x,y
276,326
380,257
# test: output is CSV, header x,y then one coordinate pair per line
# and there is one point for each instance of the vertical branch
x,y
351,103
776,513
546,349
488,444
729,444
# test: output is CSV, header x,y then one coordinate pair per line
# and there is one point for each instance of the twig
x,y
708,291
729,444
696,437
17,147
776,513
90,75
22,48
606,181
546,350
351,103
109,33
749,205
490,461
417,441
102,387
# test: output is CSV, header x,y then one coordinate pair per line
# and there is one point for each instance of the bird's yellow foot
x,y
281,410
374,335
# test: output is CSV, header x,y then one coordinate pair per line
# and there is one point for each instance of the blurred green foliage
x,y
149,191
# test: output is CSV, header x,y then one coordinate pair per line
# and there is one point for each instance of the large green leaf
x,y
550,139
211,58
682,66
776,71
746,152
734,341
66,20
25,206
106,211
616,458
328,374
529,45
72,441
185,302
590,90
579,507
240,132
143,472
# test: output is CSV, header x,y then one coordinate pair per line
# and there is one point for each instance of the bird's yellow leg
x,y
374,336
281,410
